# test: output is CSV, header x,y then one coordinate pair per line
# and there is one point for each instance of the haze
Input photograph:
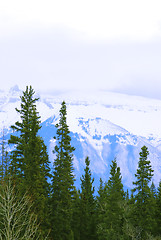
x,y
64,45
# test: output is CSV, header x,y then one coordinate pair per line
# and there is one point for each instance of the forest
x,y
38,201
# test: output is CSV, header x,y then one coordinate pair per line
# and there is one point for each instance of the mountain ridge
x,y
103,126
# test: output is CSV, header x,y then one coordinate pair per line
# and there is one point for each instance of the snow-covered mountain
x,y
103,125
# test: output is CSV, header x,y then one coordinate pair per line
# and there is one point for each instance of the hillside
x,y
103,125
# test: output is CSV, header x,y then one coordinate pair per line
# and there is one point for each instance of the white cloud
x,y
51,61
104,19
81,44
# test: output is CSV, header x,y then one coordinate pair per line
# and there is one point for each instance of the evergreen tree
x,y
142,213
158,210
129,232
76,219
115,197
152,215
101,211
62,181
29,160
88,205
112,206
153,190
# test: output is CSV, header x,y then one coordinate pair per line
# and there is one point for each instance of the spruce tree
x,y
88,205
152,212
29,167
142,213
62,180
101,211
158,210
111,222
115,198
76,217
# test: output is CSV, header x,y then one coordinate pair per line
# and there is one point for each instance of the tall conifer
x,y
111,211
29,160
62,180
87,205
158,209
101,211
142,212
115,198
76,217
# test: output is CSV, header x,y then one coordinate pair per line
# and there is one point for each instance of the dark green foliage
x,y
101,211
87,205
29,160
143,207
143,175
158,210
153,215
76,217
110,200
62,181
72,214
115,197
22,139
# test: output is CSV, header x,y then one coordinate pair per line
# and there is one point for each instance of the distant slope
x,y
103,126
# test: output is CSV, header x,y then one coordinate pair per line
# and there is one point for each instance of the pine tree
x,y
88,205
29,160
62,181
76,220
112,206
158,210
142,213
129,231
101,211
115,197
152,212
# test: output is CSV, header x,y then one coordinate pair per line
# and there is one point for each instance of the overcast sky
x,y
57,45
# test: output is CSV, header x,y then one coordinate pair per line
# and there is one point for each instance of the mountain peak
x,y
14,89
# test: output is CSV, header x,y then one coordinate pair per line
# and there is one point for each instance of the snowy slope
x,y
138,115
103,125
